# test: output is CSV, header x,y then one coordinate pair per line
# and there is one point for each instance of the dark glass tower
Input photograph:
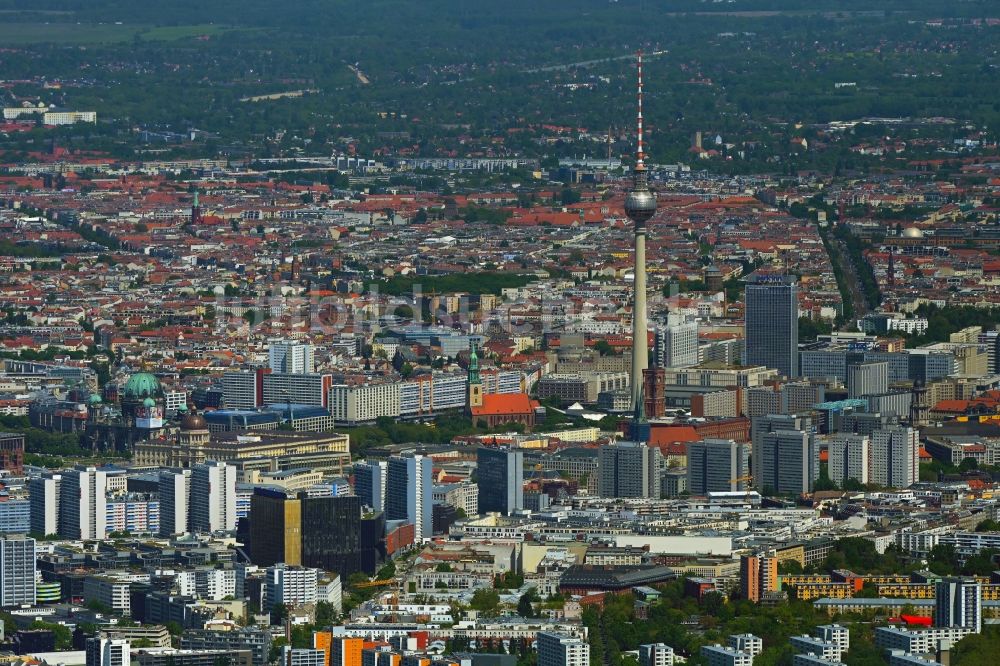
x,y
500,477
772,323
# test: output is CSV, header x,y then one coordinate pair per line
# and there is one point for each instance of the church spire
x,y
475,394
474,365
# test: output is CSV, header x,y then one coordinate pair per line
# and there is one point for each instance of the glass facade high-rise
x,y
408,493
500,477
331,535
717,465
787,461
772,323
328,533
369,483
629,469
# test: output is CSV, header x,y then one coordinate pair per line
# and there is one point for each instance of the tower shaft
x,y
640,337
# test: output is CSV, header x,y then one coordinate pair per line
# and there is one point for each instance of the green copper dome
x,y
149,402
142,385
94,399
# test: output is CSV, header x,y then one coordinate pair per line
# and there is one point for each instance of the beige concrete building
x,y
271,451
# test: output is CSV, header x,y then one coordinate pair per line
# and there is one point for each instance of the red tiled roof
x,y
505,403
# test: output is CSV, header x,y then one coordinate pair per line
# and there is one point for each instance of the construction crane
x,y
375,583
748,479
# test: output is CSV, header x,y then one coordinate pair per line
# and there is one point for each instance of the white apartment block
x,y
299,389
17,571
290,357
656,654
110,592
302,656
463,495
850,458
752,645
716,655
555,649
364,403
290,585
813,660
240,389
835,633
108,652
213,497
83,504
44,501
920,641
820,648
175,494
209,584
174,400
895,458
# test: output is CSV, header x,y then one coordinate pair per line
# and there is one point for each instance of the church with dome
x,y
140,415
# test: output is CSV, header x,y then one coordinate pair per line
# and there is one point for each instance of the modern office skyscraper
x,y
328,533
275,527
717,465
500,477
555,649
895,457
44,497
871,378
627,469
958,602
676,345
763,425
369,483
850,458
772,323
788,462
335,537
175,496
408,495
83,501
213,497
290,357
17,570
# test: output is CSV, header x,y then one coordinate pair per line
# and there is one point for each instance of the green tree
x,y
988,525
486,601
325,614
603,347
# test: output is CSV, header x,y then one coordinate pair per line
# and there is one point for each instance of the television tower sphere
x,y
640,204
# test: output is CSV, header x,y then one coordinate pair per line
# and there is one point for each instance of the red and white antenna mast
x,y
640,157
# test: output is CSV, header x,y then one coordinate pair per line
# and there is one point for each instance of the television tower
x,y
640,205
